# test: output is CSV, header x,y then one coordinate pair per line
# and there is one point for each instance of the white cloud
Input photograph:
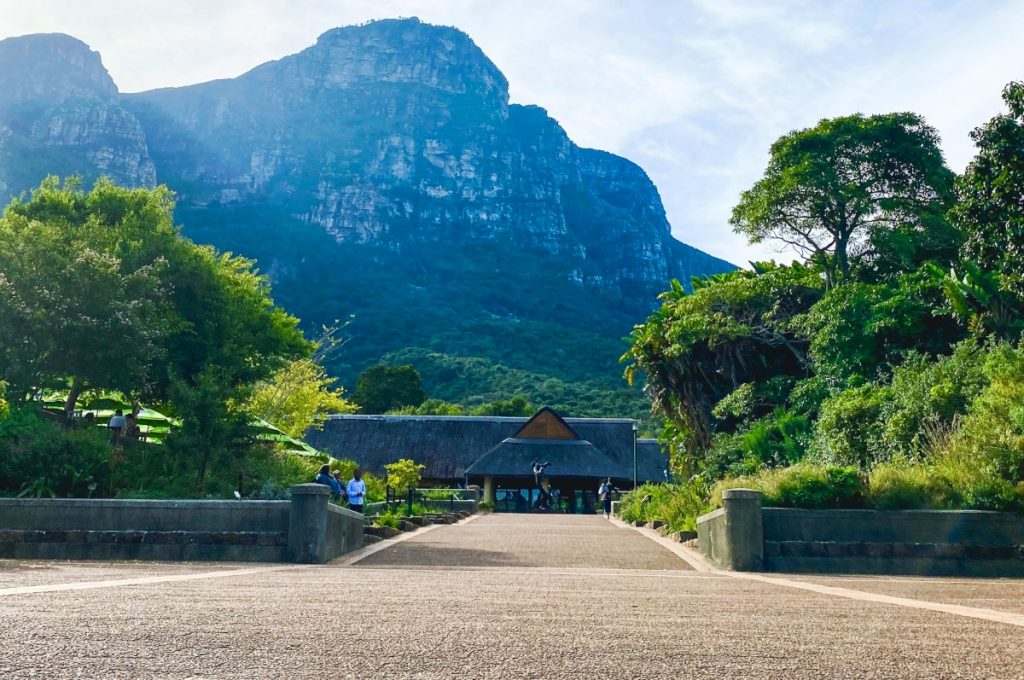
x,y
695,92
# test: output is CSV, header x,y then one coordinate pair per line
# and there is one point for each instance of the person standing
x,y
324,477
604,492
117,424
342,490
356,491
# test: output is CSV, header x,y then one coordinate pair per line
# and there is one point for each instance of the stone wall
x,y
919,542
470,506
924,542
244,531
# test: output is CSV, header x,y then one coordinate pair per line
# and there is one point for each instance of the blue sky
x,y
694,91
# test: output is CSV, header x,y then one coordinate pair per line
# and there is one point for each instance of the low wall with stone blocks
x,y
244,531
917,542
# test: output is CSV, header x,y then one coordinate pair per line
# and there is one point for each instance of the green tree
x,y
860,330
100,290
990,195
298,397
731,329
384,388
431,407
516,406
74,305
853,192
404,474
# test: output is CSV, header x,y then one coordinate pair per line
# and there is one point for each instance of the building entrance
x,y
569,501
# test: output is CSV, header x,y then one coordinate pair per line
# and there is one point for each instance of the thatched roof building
x,y
449,445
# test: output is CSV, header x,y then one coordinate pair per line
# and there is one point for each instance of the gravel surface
x,y
1000,594
538,614
500,540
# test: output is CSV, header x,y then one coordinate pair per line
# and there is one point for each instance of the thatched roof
x,y
448,445
568,458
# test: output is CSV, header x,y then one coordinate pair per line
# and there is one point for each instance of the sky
x,y
694,91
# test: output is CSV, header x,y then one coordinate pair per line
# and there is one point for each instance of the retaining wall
x,y
244,531
917,542
470,506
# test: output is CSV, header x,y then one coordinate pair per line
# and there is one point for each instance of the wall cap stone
x,y
746,494
338,510
711,515
310,490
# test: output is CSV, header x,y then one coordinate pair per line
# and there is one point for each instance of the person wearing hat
x,y
341,485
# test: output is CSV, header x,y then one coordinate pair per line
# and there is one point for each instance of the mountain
x,y
381,172
60,112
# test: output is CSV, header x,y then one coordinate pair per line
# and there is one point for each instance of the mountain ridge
x,y
383,172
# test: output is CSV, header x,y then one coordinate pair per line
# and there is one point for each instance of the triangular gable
x,y
546,424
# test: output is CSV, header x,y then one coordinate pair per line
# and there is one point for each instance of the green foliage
x,y
384,388
876,421
298,397
678,505
79,302
990,196
909,388
732,329
39,459
978,301
804,485
854,192
404,474
478,382
100,291
859,329
431,407
992,433
485,506
389,518
516,406
449,299
901,485
776,440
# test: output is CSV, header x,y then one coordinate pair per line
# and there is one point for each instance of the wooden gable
x,y
546,424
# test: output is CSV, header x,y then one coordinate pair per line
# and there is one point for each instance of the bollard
x,y
743,529
307,524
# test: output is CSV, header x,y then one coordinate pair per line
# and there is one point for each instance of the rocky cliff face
x,y
399,131
388,149
60,112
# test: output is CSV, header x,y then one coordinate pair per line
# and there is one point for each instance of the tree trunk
x,y
72,400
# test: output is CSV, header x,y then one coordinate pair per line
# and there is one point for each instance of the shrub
x,y
901,485
388,519
37,458
801,486
678,505
404,474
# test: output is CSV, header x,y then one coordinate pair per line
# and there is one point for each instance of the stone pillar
x,y
743,529
489,496
307,524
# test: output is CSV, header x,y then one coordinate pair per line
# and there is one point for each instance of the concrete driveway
x,y
502,596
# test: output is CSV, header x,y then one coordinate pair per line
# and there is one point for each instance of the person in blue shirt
x,y
324,477
356,491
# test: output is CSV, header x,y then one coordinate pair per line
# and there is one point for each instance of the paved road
x,y
521,597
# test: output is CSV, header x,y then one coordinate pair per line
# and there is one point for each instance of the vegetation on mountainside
x,y
387,387
566,336
885,369
474,384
